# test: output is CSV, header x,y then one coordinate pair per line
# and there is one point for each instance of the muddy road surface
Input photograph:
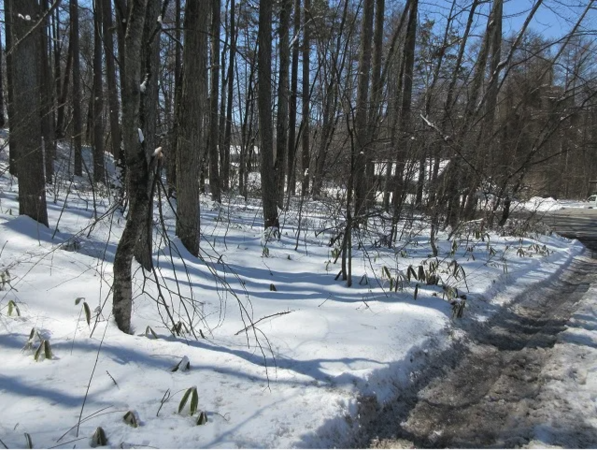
x,y
487,391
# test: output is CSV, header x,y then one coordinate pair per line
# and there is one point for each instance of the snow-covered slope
x,y
318,354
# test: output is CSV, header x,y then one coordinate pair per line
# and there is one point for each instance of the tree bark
x,y
137,166
47,106
113,102
268,177
25,125
150,59
305,138
292,107
190,116
282,117
77,125
214,122
12,145
97,101
228,129
362,135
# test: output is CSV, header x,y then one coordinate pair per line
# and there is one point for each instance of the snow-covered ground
x,y
541,204
568,399
318,352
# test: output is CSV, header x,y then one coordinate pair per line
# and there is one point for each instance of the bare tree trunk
x,y
190,116
362,135
306,156
97,100
405,112
282,119
268,177
172,152
291,169
2,118
214,176
77,125
137,166
12,145
228,130
25,125
47,86
63,90
148,114
113,103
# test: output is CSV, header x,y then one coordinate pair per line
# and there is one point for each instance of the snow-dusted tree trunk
x,y
150,60
25,124
136,164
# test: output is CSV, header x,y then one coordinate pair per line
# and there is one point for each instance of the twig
x,y
263,318
115,383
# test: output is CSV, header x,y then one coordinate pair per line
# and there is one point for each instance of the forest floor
x,y
280,353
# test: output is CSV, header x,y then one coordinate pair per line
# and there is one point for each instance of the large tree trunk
x,y
77,125
268,176
214,176
25,125
137,166
190,116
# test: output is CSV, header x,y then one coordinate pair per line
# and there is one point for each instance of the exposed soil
x,y
486,392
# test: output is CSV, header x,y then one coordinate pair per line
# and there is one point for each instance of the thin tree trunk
x,y
292,107
97,100
12,144
214,176
228,130
171,154
47,85
113,103
362,134
305,155
268,176
137,167
2,118
282,118
77,125
405,112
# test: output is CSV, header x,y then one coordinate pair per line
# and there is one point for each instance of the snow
x,y
297,378
547,204
569,395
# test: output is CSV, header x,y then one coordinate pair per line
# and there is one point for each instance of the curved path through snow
x,y
524,379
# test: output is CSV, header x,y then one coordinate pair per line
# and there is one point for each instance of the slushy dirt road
x,y
489,391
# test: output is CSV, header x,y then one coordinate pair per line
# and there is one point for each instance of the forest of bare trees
x,y
454,108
